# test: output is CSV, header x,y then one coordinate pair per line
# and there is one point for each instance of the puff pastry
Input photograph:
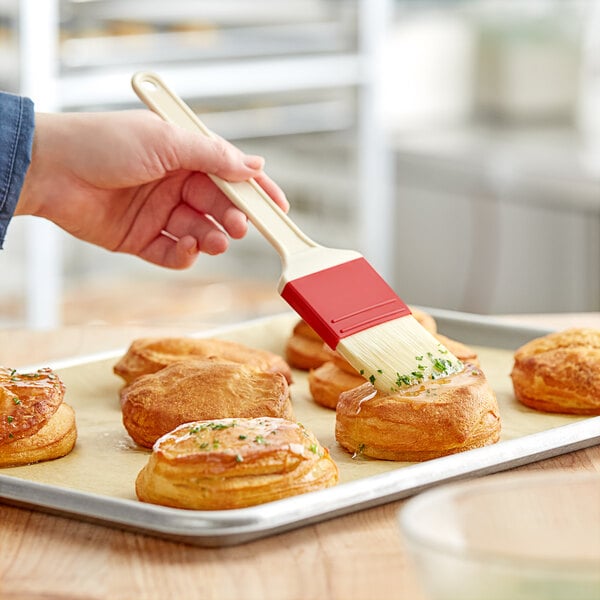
x,y
560,372
234,463
426,421
35,423
304,348
55,439
328,381
194,390
149,355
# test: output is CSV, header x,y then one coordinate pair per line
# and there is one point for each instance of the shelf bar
x,y
38,53
211,80
375,205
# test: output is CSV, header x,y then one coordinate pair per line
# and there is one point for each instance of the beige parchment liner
x,y
106,461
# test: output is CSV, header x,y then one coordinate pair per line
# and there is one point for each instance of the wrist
x,y
33,191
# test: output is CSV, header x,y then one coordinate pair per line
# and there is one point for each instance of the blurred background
x,y
454,143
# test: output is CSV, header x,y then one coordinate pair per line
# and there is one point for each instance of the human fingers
x,y
200,192
211,237
171,252
192,151
205,197
167,250
273,190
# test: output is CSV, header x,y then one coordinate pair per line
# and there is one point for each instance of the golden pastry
x,y
35,423
149,355
560,372
337,375
55,439
328,381
421,422
27,401
194,390
233,463
304,348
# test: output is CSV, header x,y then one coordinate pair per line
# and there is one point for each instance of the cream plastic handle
x,y
248,196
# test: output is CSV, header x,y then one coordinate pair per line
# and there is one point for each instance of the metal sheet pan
x,y
96,481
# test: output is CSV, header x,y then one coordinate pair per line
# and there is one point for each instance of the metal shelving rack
x,y
77,74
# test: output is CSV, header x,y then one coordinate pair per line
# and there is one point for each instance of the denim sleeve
x,y
16,137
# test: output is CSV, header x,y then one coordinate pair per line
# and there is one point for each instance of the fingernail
x,y
254,162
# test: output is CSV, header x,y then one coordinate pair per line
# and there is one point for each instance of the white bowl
x,y
521,536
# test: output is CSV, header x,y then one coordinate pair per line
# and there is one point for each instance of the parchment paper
x,y
106,461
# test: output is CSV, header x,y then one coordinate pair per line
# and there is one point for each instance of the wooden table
x,y
359,556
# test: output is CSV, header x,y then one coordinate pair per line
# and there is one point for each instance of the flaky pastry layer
x,y
421,422
337,375
560,372
328,381
27,402
304,348
55,439
195,390
149,355
234,463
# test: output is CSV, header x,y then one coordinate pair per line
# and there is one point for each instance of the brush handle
x,y
248,196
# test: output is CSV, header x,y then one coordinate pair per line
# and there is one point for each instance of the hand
x,y
119,179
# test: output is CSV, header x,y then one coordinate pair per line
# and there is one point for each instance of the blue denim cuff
x,y
16,137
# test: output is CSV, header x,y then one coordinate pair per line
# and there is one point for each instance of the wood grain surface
x,y
355,557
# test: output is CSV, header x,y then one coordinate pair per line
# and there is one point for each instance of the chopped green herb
x,y
313,448
16,401
242,437
219,426
442,365
403,380
239,458
259,439
372,379
10,418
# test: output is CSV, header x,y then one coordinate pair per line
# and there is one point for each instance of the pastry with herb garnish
x,y
560,372
337,375
234,463
35,423
149,355
419,421
194,390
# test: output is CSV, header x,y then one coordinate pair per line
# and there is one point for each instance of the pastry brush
x,y
337,292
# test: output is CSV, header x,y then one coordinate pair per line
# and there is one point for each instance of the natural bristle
x,y
398,354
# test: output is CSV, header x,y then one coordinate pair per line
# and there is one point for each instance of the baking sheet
x,y
96,481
